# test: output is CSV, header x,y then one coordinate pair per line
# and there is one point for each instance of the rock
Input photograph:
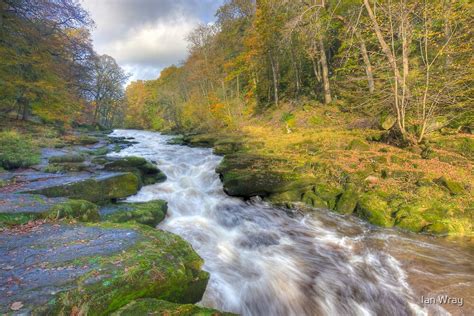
x,y
359,145
387,122
104,187
150,306
86,140
96,269
67,159
65,167
455,188
347,202
200,140
19,209
375,209
147,172
147,213
227,146
83,211
177,140
314,200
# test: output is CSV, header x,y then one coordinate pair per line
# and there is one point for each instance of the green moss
x,y
65,167
347,202
67,158
83,211
159,265
455,188
17,151
87,140
96,190
126,162
150,306
147,213
13,219
374,208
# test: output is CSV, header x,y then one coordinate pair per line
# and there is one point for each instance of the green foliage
x,y
17,151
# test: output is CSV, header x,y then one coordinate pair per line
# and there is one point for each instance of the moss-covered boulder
x,y
227,146
146,213
158,265
347,202
150,306
65,167
96,269
83,211
67,158
147,172
200,140
96,189
375,209
19,209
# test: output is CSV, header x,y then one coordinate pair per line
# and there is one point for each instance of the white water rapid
x,y
264,261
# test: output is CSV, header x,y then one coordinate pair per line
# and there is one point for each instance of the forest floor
x,y
331,159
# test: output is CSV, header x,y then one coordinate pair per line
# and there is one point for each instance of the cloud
x,y
145,36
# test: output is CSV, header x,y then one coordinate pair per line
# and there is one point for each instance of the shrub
x,y
17,151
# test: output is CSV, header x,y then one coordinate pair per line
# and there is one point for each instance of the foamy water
x,y
263,261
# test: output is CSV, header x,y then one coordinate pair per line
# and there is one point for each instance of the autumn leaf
x,y
16,306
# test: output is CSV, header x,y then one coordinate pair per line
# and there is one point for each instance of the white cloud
x,y
146,36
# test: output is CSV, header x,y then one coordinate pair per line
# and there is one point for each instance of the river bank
x,y
325,160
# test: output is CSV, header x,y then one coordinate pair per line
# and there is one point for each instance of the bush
x,y
17,151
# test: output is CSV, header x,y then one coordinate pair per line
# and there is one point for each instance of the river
x,y
268,261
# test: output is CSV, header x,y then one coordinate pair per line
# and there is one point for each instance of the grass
x,y
17,151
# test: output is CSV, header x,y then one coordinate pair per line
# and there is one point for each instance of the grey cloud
x,y
145,36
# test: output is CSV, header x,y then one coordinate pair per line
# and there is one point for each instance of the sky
x,y
145,36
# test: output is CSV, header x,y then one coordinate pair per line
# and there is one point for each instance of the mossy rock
x,y
79,210
157,265
177,140
347,202
98,189
454,188
359,145
201,140
86,140
151,306
83,211
73,158
409,217
227,146
248,183
375,209
387,122
146,213
147,172
312,199
65,167
126,162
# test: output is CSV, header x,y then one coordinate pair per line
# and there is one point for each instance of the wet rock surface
x,y
43,261
27,203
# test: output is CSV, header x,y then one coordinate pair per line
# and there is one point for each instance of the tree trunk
x,y
383,44
275,79
368,65
325,71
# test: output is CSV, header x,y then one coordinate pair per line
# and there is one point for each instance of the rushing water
x,y
264,261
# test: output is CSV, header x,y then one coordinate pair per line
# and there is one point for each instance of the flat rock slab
x,y
37,264
27,203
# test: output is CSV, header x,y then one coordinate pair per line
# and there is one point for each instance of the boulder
x,y
347,202
374,208
387,122
72,158
96,269
147,172
146,213
104,187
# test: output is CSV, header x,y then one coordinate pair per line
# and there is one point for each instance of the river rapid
x,y
268,261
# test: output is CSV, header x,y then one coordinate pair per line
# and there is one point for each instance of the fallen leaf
x,y
16,306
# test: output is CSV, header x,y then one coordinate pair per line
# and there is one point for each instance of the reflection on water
x,y
264,262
